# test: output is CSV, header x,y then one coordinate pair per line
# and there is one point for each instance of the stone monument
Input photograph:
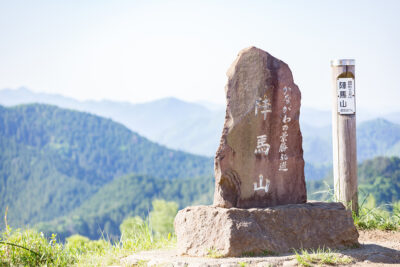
x,y
260,193
259,162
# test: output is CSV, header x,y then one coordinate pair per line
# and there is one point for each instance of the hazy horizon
x,y
199,102
212,106
143,51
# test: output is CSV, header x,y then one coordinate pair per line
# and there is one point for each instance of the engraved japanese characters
x,y
259,162
346,99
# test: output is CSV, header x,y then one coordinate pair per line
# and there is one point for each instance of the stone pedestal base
x,y
208,230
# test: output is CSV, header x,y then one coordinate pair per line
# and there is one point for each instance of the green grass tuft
x,y
214,253
320,257
372,217
30,248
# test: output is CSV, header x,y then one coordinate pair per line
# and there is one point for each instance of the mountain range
x,y
196,127
191,127
52,160
74,172
171,122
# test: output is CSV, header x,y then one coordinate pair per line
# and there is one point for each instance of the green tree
x,y
131,226
162,216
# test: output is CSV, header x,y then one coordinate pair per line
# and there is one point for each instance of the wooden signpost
x,y
344,132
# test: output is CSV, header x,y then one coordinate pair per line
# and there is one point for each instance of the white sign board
x,y
346,96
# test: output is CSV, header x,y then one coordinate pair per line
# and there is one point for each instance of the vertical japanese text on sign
x,y
283,138
345,94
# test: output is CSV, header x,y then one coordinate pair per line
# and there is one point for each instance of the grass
x,y
214,253
321,257
31,248
371,217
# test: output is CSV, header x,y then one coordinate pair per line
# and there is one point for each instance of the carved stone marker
x,y
260,193
259,162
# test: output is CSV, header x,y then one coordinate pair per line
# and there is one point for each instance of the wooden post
x,y
344,133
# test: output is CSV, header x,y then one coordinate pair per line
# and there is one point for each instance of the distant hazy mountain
x,y
177,124
197,127
393,117
192,127
377,137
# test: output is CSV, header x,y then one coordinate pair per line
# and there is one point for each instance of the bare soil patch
x,y
377,248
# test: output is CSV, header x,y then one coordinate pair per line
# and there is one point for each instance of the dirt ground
x,y
378,248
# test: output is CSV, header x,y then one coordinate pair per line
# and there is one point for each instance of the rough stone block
x,y
202,230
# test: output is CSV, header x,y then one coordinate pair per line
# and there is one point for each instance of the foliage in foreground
x,y
31,248
372,217
378,191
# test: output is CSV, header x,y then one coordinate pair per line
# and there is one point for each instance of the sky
x,y
138,51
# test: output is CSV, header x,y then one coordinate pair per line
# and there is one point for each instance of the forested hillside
x,y
378,177
53,159
129,195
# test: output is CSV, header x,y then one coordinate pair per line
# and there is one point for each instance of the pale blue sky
x,y
143,50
